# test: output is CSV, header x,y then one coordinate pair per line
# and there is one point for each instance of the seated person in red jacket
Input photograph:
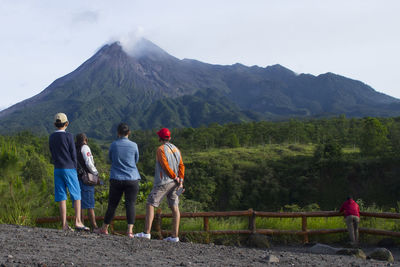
x,y
351,212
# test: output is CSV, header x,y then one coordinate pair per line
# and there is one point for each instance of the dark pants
x,y
117,188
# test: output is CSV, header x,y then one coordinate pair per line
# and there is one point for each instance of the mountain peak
x,y
141,48
144,48
110,49
280,68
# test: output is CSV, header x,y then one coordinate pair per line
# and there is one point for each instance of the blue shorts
x,y
63,179
87,194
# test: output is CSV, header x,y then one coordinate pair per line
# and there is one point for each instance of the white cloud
x,y
85,17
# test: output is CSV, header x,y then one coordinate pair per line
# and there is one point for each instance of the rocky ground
x,y
26,246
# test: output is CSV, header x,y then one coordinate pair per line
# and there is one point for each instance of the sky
x,y
44,40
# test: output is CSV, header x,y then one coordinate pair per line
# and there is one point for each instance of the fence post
x,y
206,229
252,221
304,228
158,224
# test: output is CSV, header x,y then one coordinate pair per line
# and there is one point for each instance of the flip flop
x,y
82,228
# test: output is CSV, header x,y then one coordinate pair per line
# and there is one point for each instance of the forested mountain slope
x,y
149,88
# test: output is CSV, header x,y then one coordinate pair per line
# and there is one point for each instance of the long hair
x,y
80,140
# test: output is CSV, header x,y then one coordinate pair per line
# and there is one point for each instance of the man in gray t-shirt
x,y
168,181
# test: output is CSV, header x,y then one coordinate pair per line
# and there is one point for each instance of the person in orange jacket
x,y
351,212
168,181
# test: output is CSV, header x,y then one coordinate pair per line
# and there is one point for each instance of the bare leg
x,y
130,229
92,218
149,218
176,217
83,216
103,229
77,207
63,214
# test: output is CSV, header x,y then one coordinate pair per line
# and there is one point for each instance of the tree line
x,y
260,165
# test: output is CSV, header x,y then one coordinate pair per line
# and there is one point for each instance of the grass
x,y
24,200
313,223
23,212
268,152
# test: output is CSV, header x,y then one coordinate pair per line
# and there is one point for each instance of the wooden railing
x,y
252,215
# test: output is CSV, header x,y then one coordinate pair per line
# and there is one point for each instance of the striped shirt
x,y
169,164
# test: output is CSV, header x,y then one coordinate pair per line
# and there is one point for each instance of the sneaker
x,y
142,235
172,239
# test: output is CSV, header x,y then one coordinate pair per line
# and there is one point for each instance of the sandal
x,y
82,228
130,235
100,231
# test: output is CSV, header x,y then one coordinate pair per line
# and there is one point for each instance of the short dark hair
x,y
59,124
123,129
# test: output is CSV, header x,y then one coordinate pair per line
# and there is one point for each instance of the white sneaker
x,y
172,239
142,235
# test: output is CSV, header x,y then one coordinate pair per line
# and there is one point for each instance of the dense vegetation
x,y
261,165
266,165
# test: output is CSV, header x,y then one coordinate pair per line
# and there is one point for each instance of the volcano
x,y
149,88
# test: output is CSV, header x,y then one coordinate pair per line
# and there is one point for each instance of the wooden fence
x,y
252,215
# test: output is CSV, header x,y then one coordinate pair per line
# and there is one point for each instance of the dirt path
x,y
26,246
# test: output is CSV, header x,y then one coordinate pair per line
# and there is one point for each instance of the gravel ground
x,y
27,246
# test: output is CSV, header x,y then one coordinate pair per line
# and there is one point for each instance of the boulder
x,y
323,249
271,259
356,252
258,241
381,254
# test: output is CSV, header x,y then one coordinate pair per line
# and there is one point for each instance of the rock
x,y
258,241
309,244
381,254
323,249
352,252
271,259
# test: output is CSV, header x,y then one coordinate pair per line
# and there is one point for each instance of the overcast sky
x,y
43,40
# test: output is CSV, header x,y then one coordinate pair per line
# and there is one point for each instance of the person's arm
x,y
162,159
136,154
88,158
51,151
72,150
181,172
342,208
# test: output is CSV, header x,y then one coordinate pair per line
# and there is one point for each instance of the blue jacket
x,y
124,154
62,148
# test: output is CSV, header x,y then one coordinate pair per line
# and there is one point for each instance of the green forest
x,y
267,166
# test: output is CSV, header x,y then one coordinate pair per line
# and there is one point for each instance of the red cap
x,y
164,133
